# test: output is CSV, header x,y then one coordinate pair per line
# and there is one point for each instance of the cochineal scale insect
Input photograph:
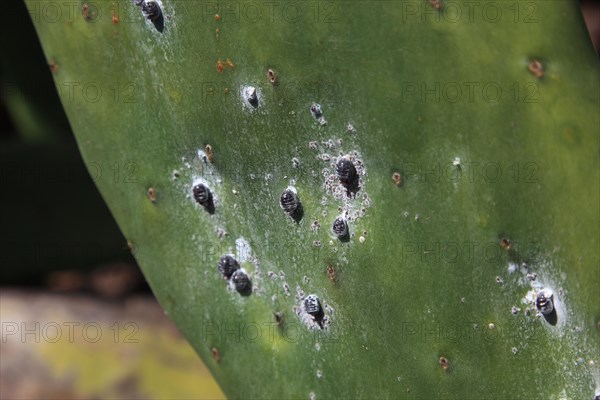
x,y
291,204
251,96
152,12
312,306
544,302
340,228
241,282
228,265
347,175
204,197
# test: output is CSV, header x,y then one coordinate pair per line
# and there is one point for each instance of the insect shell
x,y
204,197
228,265
271,76
340,228
346,171
545,302
202,194
291,204
312,306
251,96
289,201
316,111
241,282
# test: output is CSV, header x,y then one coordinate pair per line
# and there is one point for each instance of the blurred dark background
x,y
56,230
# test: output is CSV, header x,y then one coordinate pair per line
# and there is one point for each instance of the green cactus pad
x,y
473,131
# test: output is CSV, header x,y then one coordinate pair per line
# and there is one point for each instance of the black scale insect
x,y
340,229
291,204
544,302
347,175
346,171
241,282
251,96
152,13
203,196
228,265
312,306
316,111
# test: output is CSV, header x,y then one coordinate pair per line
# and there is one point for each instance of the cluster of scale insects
x,y
229,267
289,200
348,178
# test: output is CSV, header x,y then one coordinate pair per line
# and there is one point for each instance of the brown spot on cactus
x,y
115,18
443,361
278,318
151,194
569,134
209,153
436,4
397,178
132,248
85,11
216,354
505,243
271,76
53,66
217,17
331,273
536,68
220,66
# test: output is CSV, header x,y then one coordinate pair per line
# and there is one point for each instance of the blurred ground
x,y
77,346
